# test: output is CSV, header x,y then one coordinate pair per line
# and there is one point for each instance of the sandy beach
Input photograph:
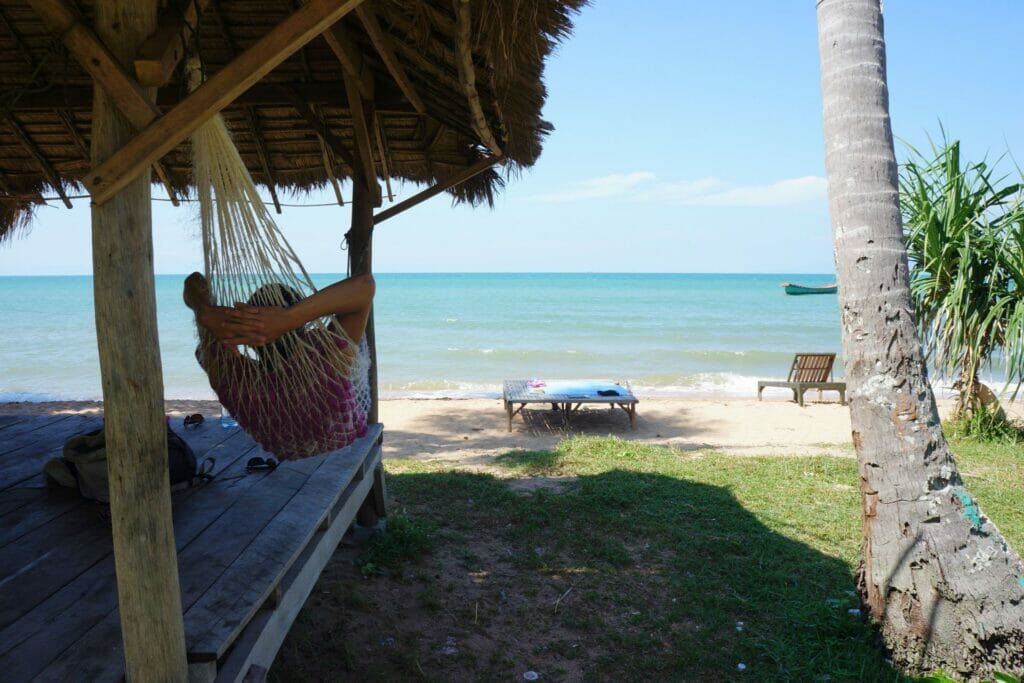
x,y
472,431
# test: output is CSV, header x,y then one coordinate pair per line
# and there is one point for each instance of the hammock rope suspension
x,y
292,395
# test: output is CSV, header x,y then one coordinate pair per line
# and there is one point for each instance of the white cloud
x,y
702,192
615,185
782,193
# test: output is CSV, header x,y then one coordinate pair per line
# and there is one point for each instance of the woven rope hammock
x,y
305,393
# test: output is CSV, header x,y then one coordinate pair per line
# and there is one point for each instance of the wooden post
x,y
136,436
360,254
360,260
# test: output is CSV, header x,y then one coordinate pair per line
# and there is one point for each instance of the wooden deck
x,y
250,548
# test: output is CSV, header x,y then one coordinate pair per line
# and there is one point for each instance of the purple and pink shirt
x,y
287,420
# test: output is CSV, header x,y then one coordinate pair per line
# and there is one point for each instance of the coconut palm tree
x,y
962,227
936,575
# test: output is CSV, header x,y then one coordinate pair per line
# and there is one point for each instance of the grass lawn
x,y
611,560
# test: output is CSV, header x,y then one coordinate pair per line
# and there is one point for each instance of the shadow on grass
x,y
625,575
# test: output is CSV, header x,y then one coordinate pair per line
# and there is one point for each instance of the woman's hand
x,y
267,322
232,326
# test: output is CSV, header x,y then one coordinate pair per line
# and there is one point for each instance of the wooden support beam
x,y
360,261
219,91
329,168
467,75
364,170
161,52
434,190
195,80
264,157
318,126
145,560
344,48
382,43
44,164
382,151
360,255
129,97
68,119
90,52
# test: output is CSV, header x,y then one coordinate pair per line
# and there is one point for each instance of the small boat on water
x,y
803,289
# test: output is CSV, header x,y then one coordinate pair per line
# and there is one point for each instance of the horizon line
x,y
486,272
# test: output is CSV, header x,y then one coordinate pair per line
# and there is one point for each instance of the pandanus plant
x,y
964,229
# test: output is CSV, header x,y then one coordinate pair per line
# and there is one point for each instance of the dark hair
x,y
276,294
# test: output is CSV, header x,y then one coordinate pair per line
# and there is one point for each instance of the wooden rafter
x,y
359,87
434,190
340,41
319,127
432,132
158,56
87,49
303,59
364,168
129,97
382,151
253,117
69,122
382,43
264,157
325,152
467,75
44,164
219,91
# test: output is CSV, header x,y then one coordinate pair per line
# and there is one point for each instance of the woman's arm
x,y
349,301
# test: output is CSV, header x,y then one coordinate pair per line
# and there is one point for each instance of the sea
x,y
458,335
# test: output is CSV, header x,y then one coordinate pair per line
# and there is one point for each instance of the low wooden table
x,y
567,395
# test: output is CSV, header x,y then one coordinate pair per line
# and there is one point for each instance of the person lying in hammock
x,y
303,391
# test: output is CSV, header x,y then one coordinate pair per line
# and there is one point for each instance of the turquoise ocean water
x,y
459,335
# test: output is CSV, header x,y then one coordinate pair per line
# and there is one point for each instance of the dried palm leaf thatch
x,y
295,396
16,217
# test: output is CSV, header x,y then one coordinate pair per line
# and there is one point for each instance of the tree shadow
x,y
625,575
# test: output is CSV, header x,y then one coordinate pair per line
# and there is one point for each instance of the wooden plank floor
x,y
242,539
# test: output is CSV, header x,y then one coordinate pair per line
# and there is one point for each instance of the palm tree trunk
x,y
936,575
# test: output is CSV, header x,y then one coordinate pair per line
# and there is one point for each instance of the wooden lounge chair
x,y
809,371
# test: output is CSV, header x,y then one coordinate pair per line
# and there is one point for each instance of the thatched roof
x,y
417,58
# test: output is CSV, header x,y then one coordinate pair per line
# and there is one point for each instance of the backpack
x,y
85,464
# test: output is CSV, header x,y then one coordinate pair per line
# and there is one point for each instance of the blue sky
x,y
687,138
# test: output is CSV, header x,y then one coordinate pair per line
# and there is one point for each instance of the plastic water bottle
x,y
226,421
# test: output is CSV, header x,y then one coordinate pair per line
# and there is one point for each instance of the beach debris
x,y
739,626
854,611
450,648
562,596
530,676
833,602
741,667
388,641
